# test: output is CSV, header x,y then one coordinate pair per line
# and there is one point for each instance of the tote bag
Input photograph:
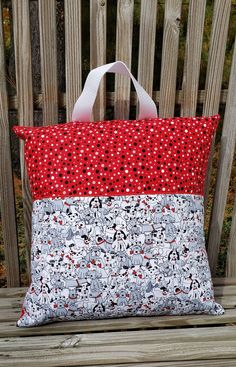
x,y
117,222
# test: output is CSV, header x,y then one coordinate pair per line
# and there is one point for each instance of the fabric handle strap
x,y
83,107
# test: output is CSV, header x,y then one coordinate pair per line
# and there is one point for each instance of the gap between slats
x,y
8,213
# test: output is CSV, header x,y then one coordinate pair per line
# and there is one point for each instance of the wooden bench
x,y
197,340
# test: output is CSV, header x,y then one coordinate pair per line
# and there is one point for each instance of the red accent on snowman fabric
x,y
118,157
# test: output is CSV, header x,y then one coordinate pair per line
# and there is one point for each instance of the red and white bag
x,y
117,225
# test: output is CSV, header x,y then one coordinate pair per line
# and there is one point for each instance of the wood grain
x,y
73,49
169,57
8,327
8,214
124,32
110,99
227,147
231,253
215,66
129,346
202,363
147,37
114,338
48,54
23,64
224,281
229,290
98,12
192,60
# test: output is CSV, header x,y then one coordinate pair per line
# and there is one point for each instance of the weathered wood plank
x,y
202,363
124,353
147,37
110,99
107,348
23,65
215,66
8,214
231,253
98,11
169,57
227,149
12,292
48,54
73,49
9,315
121,338
224,281
8,325
229,290
192,60
124,32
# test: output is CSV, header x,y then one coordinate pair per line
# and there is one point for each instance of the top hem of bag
x,y
24,128
62,197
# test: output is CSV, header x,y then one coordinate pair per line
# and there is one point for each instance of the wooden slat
x,y
110,99
8,327
231,253
98,11
23,65
169,57
229,290
124,32
130,346
224,281
147,37
192,60
227,148
8,214
73,48
203,363
12,292
48,54
113,338
215,66
9,315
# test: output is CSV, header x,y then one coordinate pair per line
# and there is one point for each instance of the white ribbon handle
x,y
83,107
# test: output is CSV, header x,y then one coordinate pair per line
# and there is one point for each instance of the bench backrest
x,y
34,20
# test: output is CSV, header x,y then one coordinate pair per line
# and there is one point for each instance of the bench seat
x,y
196,340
